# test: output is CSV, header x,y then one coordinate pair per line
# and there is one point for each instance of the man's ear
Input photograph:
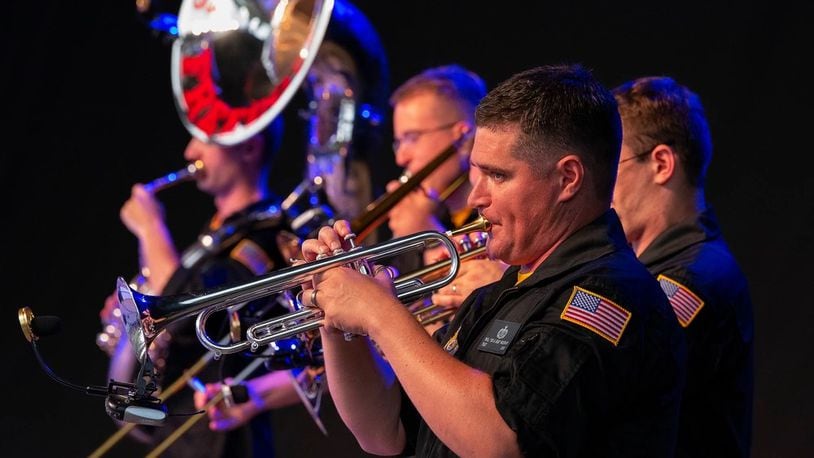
x,y
251,151
465,132
571,175
664,163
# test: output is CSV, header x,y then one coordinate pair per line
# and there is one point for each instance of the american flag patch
x,y
252,256
685,303
596,313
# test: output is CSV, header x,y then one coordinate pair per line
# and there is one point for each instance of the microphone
x,y
125,401
44,326
34,327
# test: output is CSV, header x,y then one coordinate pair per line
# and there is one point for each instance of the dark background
x,y
88,111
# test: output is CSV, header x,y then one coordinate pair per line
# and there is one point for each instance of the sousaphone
x,y
236,64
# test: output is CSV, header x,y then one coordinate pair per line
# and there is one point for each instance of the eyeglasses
x,y
636,156
645,152
412,136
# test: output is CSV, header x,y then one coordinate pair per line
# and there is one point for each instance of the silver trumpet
x,y
146,316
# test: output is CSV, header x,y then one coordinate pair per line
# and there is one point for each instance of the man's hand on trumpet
x,y
337,291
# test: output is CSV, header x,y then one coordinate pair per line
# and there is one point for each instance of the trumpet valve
x,y
363,265
351,239
480,238
465,243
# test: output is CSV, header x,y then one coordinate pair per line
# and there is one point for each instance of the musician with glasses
x,y
574,352
431,111
247,236
660,199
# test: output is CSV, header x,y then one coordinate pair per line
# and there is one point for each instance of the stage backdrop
x,y
89,112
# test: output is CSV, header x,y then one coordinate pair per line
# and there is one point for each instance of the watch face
x,y
132,319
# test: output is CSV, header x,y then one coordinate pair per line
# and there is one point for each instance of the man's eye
x,y
497,176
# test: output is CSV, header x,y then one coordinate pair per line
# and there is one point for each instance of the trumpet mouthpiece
x,y
480,224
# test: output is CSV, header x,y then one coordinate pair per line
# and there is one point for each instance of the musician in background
x,y
660,199
349,76
431,111
247,236
574,352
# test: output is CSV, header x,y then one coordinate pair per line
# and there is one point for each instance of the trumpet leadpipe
x,y
185,174
434,315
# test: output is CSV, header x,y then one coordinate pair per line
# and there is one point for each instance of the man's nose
x,y
479,196
403,155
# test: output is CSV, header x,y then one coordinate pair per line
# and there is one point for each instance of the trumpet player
x,y
574,352
246,236
432,110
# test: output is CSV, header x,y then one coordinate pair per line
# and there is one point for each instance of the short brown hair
x,y
558,109
452,82
657,110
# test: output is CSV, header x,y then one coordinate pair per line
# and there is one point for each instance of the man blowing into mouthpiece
x,y
573,352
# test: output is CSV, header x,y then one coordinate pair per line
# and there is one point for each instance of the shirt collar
x,y
598,238
694,230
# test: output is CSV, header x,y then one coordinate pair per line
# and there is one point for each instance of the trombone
x,y
376,212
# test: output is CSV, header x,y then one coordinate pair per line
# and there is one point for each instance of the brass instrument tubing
x,y
185,174
376,212
460,180
307,319
440,265
436,318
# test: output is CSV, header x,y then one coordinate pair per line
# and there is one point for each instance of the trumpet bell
x,y
131,315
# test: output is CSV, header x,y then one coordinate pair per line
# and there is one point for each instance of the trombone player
x,y
432,110
574,352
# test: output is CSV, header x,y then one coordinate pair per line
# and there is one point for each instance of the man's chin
x,y
493,251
